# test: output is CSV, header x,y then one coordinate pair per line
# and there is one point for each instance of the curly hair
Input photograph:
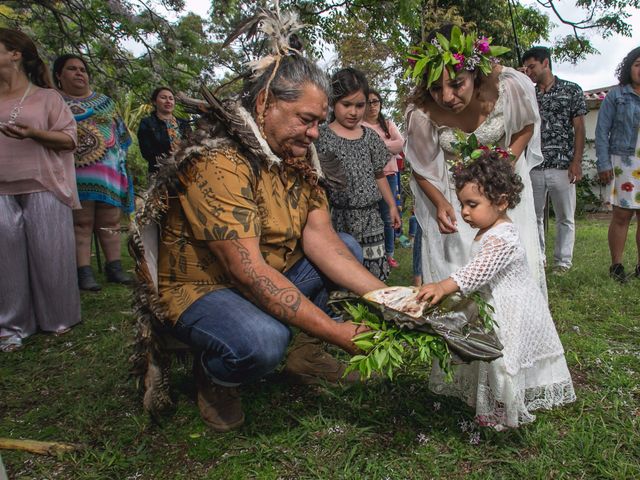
x,y
623,72
494,174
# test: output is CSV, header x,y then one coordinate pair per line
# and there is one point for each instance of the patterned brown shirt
x,y
225,200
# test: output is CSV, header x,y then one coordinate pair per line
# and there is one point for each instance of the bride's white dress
x,y
428,145
532,373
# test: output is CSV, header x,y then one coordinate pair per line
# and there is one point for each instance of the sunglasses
x,y
373,102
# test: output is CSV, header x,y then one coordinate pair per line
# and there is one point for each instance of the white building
x,y
594,99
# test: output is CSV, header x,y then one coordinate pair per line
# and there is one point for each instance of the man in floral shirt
x,y
562,110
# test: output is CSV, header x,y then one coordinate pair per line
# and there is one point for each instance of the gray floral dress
x,y
354,210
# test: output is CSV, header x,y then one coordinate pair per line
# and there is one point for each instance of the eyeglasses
x,y
373,102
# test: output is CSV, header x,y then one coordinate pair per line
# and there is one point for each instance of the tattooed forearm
x,y
282,302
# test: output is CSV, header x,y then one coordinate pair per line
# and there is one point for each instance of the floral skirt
x,y
626,183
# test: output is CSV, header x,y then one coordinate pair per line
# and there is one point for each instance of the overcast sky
x,y
597,70
594,72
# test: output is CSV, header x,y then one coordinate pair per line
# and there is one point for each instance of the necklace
x,y
17,108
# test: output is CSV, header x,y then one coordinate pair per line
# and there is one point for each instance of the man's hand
x,y
575,172
348,331
446,218
605,177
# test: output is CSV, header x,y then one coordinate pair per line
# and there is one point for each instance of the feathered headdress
x,y
279,30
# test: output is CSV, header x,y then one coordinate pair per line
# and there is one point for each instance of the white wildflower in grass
x,y
422,439
474,438
465,426
336,429
68,344
576,328
436,406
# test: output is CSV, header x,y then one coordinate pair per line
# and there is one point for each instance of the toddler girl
x,y
532,373
362,155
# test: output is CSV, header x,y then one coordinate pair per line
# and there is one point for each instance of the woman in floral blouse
x,y
618,155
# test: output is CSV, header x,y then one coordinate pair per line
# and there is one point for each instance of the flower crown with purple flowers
x,y
461,51
468,150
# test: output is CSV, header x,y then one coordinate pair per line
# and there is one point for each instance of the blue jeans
x,y
389,234
413,225
237,341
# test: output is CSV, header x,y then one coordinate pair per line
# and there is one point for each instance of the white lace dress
x,y
532,373
428,146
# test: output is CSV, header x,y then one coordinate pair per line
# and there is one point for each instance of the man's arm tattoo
x,y
281,302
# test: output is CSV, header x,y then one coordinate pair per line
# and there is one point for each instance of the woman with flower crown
x,y
460,87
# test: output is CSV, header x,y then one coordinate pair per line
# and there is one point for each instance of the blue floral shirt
x,y
558,106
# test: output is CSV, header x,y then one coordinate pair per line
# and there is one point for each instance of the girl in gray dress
x,y
362,155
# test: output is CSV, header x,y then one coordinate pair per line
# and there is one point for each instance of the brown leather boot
x,y
220,407
308,363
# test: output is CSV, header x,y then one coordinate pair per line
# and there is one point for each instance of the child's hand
x,y
432,292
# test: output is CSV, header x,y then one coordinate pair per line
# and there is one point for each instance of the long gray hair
x,y
293,73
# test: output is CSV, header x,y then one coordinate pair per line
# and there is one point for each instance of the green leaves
x,y
485,311
497,50
389,349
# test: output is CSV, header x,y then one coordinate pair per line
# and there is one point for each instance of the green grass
x,y
76,388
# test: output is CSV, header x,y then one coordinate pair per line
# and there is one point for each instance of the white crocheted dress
x,y
533,373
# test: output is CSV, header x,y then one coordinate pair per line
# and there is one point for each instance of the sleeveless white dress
x,y
427,147
533,373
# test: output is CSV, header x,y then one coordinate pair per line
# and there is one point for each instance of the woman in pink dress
x,y
38,287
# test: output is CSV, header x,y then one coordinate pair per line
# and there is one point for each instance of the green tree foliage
x,y
373,35
105,31
604,17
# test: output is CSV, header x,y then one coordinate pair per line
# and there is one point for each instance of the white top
x,y
498,267
515,108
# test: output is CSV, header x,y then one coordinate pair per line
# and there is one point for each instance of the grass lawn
x,y
76,388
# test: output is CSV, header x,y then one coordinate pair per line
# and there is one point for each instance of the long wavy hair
x,y
286,81
33,66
